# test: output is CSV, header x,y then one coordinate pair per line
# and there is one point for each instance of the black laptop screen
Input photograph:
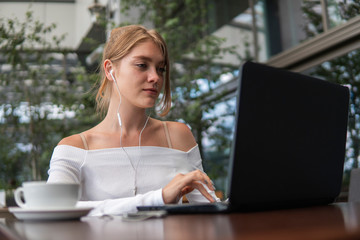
x,y
289,140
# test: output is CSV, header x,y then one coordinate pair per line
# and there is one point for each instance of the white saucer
x,y
49,214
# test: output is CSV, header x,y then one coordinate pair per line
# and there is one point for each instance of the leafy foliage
x,y
39,94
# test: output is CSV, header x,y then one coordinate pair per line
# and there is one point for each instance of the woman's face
x,y
139,75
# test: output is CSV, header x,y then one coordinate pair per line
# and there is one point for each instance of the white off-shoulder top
x,y
106,176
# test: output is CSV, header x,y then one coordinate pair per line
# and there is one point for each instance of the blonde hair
x,y
122,40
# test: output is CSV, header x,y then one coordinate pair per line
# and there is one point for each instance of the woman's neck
x,y
132,118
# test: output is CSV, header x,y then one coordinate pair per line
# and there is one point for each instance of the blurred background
x,y
50,51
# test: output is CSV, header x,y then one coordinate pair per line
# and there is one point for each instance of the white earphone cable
x,y
120,124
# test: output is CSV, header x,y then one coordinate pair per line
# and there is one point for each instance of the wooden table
x,y
338,221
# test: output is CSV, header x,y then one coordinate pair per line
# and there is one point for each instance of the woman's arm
x,y
196,184
123,205
183,184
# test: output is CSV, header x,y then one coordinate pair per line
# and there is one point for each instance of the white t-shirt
x,y
106,176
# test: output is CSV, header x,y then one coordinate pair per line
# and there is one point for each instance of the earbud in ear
x,y
111,73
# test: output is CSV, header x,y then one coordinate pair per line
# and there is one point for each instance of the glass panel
x,y
245,22
284,24
291,23
313,22
217,142
239,33
340,11
288,23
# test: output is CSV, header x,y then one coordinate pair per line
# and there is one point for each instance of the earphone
x,y
120,124
111,73
118,114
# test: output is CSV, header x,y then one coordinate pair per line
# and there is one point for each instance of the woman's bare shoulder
x,y
181,136
73,140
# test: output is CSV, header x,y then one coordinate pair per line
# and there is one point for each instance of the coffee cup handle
x,y
17,195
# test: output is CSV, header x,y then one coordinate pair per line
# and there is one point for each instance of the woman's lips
x,y
152,91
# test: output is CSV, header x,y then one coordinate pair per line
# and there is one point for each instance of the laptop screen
x,y
289,139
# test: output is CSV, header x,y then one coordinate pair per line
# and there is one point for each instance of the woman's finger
x,y
209,183
204,178
199,186
183,184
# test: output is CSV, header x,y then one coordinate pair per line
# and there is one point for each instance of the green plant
x,y
40,98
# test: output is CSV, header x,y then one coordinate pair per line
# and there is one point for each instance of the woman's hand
x,y
183,184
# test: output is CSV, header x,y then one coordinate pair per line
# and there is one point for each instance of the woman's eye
x,y
141,65
161,70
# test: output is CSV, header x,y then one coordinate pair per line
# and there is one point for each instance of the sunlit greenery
x,y
41,99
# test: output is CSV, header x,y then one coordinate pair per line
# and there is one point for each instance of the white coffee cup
x,y
42,195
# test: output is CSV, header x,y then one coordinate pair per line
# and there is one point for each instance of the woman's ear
x,y
107,68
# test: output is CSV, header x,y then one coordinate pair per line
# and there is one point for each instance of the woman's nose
x,y
153,76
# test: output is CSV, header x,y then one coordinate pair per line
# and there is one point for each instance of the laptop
x,y
288,146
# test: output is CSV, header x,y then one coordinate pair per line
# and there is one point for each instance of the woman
x,y
129,158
